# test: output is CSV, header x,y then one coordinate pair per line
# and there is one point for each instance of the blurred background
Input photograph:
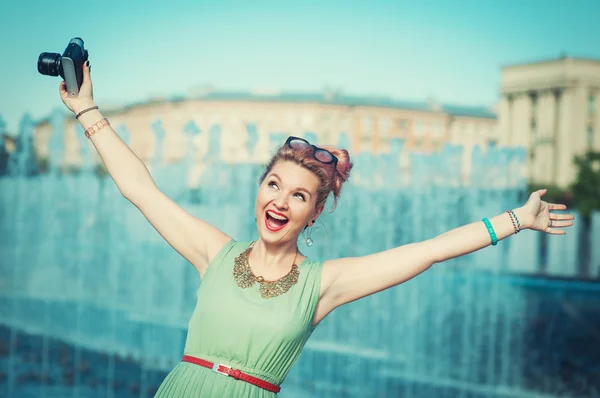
x,y
452,111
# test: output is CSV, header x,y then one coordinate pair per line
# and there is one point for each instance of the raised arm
x,y
194,239
348,279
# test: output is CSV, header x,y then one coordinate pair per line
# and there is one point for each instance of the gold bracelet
x,y
96,126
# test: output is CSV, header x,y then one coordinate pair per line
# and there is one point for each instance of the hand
x,y
539,217
84,99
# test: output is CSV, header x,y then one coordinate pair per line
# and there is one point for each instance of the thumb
x,y
542,192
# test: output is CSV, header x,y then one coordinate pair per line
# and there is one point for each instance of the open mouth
x,y
275,221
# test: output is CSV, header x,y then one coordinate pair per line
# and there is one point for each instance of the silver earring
x,y
309,241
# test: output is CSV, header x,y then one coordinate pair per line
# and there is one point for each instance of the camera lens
x,y
49,64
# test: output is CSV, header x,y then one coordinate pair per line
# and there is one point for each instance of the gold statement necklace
x,y
245,278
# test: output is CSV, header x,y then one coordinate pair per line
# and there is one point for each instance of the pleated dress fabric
x,y
238,328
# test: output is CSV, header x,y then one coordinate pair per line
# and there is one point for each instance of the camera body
x,y
69,66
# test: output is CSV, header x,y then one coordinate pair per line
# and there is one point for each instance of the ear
x,y
317,213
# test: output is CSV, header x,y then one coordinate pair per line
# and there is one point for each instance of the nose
x,y
280,201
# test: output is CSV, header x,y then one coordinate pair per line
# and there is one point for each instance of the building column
x,y
563,142
544,143
521,128
505,122
555,135
376,144
594,118
579,122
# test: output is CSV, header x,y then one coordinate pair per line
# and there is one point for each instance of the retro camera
x,y
69,66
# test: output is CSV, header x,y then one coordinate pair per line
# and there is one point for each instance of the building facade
x,y
369,124
551,108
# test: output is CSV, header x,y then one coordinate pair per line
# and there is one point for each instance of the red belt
x,y
235,373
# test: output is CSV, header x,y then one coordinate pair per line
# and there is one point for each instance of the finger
x,y
542,192
561,224
554,206
554,216
555,231
62,88
86,72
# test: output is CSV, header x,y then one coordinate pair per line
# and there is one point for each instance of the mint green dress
x,y
238,328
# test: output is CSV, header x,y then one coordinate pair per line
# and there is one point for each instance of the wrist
x,y
82,106
90,117
525,219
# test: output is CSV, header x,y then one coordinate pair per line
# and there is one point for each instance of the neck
x,y
274,255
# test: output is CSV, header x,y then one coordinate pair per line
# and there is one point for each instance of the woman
x,y
260,301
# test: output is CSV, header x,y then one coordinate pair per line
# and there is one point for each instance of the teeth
x,y
276,216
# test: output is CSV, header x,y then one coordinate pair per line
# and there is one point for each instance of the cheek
x,y
302,211
262,195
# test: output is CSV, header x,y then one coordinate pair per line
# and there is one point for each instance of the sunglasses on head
x,y
322,155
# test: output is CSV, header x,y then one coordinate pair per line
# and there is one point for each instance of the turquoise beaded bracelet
x,y
490,229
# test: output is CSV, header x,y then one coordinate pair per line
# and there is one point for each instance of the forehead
x,y
293,174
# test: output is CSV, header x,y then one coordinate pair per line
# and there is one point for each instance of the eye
x,y
301,196
272,184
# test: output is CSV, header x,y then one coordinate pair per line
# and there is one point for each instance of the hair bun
x,y
342,171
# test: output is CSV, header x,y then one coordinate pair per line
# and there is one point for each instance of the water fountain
x,y
85,272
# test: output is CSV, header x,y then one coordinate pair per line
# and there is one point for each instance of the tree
x,y
3,151
586,200
586,188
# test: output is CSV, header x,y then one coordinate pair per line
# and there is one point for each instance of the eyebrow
x,y
297,189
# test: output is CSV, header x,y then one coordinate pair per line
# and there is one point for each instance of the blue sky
x,y
410,50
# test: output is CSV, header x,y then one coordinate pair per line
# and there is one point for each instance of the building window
x,y
346,124
366,125
590,135
366,144
436,128
457,128
385,127
307,120
403,126
421,128
591,105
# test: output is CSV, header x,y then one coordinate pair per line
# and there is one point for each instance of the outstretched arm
x,y
348,279
196,240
